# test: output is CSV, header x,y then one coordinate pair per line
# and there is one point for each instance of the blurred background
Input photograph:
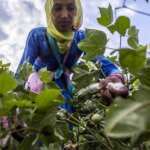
x,y
18,17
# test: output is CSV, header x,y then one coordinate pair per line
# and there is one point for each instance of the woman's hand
x,y
34,84
112,86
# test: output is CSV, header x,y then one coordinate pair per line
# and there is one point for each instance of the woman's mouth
x,y
64,23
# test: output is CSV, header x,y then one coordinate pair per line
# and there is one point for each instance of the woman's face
x,y
63,14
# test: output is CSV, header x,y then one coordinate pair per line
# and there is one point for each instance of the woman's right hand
x,y
112,86
34,84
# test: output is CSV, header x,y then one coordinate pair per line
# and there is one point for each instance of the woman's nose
x,y
64,13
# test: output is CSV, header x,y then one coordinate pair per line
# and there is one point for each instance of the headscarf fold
x,y
64,40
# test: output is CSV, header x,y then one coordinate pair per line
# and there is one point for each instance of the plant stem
x,y
120,42
72,122
86,142
90,131
28,128
4,108
102,105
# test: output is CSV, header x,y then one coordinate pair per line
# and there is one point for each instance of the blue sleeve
x,y
108,67
30,52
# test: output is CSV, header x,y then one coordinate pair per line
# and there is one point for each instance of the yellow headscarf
x,y
63,40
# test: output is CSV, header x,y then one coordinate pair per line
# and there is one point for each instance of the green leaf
x,y
50,85
133,42
55,146
133,37
7,103
86,79
45,75
144,76
1,63
24,71
80,70
48,99
44,148
111,28
133,32
94,44
61,130
7,83
40,120
148,62
48,136
126,118
84,74
132,59
143,138
122,24
106,16
4,66
25,104
142,94
113,59
26,144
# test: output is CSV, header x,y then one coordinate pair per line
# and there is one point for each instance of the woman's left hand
x,y
34,84
112,86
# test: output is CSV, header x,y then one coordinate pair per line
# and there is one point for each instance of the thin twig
x,y
86,142
109,148
120,42
137,11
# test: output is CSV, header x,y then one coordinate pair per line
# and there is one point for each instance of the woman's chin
x,y
64,29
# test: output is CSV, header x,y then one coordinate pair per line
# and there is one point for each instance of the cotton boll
x,y
116,86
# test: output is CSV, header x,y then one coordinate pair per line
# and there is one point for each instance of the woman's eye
x,y
57,8
71,8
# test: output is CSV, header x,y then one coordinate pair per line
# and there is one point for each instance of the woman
x,y
56,47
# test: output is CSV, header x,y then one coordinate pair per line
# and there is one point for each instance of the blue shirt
x,y
39,53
